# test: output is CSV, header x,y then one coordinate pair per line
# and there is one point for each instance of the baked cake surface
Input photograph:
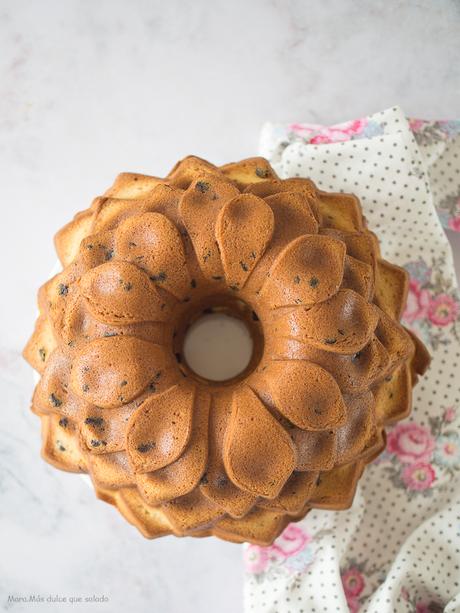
x,y
331,367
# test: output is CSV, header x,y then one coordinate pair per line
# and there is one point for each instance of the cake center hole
x,y
218,347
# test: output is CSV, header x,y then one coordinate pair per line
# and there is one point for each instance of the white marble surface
x,y
88,89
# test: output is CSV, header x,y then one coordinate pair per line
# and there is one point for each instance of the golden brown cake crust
x,y
331,366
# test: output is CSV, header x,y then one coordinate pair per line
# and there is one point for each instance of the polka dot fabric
x,y
398,547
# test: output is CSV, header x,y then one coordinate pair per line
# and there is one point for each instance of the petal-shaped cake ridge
x,y
237,459
249,171
132,186
52,394
269,187
152,242
359,245
244,229
40,345
110,212
393,396
199,208
94,250
151,521
112,371
258,455
215,483
258,527
395,339
190,512
309,270
342,324
306,394
359,277
353,373
102,433
421,358
60,444
68,239
293,214
158,432
292,497
79,326
391,288
183,475
111,470
186,171
353,437
315,450
293,217
336,488
120,293
340,211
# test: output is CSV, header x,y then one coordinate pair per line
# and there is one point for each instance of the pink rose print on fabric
x,y
443,310
256,559
433,307
418,302
291,541
319,135
411,443
421,605
419,476
454,222
428,607
289,549
353,604
416,125
419,458
353,584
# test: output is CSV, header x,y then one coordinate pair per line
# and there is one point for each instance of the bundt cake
x,y
238,459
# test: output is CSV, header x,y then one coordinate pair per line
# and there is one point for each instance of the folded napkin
x,y
398,547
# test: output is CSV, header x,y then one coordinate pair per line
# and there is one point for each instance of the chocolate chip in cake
x,y
55,401
94,421
63,290
160,277
145,447
222,481
202,186
262,173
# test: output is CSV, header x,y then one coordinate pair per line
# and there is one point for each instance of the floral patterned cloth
x,y
398,547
